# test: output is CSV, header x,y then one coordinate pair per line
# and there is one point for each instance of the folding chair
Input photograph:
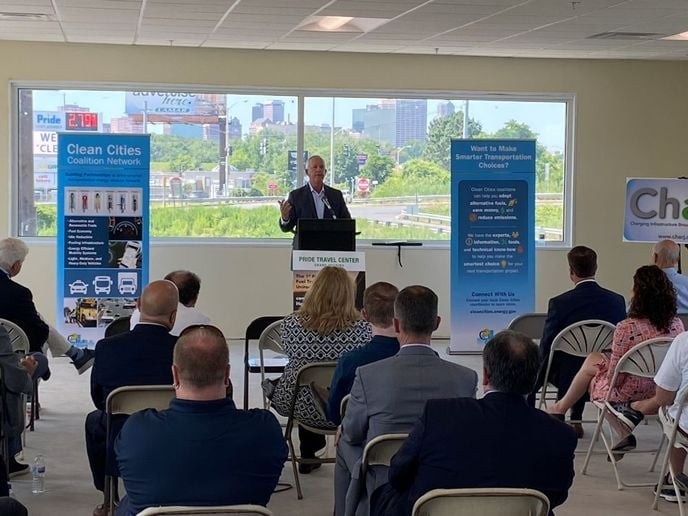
x,y
531,325
125,401
642,360
271,340
223,509
319,374
579,339
676,439
342,406
485,502
253,332
380,450
20,344
119,325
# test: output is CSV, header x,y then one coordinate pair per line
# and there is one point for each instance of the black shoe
x,y
627,415
305,469
668,493
16,468
85,361
624,445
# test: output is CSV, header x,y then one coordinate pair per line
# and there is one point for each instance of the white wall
x,y
630,121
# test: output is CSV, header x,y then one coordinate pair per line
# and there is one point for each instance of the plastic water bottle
x,y
38,473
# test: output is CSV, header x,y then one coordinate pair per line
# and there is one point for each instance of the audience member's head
x,y
582,262
510,363
158,303
415,315
665,254
378,304
188,284
329,304
201,363
654,297
12,254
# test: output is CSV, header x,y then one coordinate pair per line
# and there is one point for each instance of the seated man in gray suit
x,y
388,396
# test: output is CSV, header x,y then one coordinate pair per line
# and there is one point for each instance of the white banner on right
x,y
656,209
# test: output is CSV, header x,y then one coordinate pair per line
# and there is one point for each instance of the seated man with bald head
x,y
666,255
189,286
142,356
202,450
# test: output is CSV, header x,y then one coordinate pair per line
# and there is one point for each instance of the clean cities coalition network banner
x,y
102,235
656,209
493,244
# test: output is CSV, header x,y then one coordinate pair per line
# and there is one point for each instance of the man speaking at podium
x,y
314,200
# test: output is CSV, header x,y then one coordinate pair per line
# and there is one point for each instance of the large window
x,y
220,161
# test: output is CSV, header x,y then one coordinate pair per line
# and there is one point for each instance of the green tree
x,y
415,177
181,163
549,166
378,168
441,131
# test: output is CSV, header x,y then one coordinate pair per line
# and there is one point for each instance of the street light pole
x,y
332,147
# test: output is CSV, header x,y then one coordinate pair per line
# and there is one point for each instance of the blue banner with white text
x,y
493,240
102,236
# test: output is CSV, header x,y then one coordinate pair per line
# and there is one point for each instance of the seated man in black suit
x,y
314,200
233,456
142,356
16,305
587,300
496,441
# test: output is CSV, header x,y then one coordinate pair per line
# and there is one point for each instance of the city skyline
x,y
548,119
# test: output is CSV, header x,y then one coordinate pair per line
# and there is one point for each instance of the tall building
x,y
411,121
127,125
256,112
445,109
358,120
396,122
234,129
274,111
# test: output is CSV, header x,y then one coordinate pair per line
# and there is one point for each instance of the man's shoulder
x,y
587,290
16,288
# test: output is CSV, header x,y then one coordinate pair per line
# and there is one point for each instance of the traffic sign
x,y
272,186
363,184
361,159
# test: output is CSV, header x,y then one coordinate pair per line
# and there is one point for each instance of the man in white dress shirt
x,y
665,255
189,285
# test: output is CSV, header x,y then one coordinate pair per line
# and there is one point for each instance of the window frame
x,y
300,94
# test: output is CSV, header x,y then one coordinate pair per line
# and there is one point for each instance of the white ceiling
x,y
518,28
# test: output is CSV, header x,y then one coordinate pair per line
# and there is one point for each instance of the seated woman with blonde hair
x,y
326,326
652,314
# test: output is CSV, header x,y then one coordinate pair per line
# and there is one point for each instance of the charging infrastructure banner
x,y
656,209
493,241
102,230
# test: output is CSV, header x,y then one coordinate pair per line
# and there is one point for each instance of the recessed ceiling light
x,y
681,36
9,16
341,24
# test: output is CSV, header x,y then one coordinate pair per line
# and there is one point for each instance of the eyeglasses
x,y
208,327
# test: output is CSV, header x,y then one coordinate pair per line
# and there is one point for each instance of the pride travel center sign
x,y
656,209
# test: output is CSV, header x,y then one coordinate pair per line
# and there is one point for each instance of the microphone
x,y
329,206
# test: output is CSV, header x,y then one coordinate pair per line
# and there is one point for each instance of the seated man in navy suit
x,y
314,200
378,310
496,441
142,356
587,300
202,450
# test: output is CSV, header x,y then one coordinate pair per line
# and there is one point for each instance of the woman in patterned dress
x,y
326,326
652,314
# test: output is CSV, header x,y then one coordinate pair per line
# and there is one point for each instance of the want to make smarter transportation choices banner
x,y
102,236
656,209
493,241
